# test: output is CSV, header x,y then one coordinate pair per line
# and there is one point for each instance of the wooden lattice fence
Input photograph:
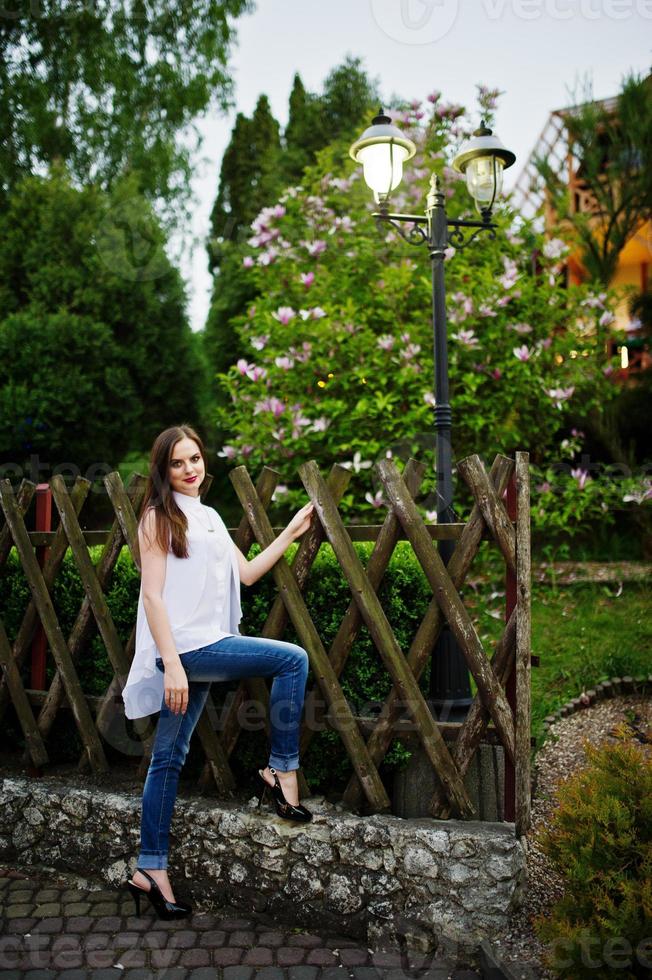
x,y
501,512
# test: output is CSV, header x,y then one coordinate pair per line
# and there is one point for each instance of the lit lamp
x,y
382,150
482,160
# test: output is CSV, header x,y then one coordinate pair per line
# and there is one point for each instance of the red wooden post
x,y
39,643
510,686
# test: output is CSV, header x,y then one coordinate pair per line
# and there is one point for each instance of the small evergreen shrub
x,y
600,840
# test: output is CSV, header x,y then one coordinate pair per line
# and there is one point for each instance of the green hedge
x,y
404,595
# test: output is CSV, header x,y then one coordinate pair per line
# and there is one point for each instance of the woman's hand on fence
x,y
301,521
175,685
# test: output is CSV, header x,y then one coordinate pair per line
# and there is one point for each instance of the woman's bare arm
x,y
153,564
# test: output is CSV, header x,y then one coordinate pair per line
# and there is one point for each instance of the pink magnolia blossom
x,y
429,398
377,500
606,318
510,275
496,374
544,487
522,352
285,363
485,310
273,405
342,224
281,488
259,343
340,183
248,262
449,253
410,351
385,342
314,248
467,338
307,278
284,314
315,313
228,452
434,96
357,463
554,248
560,395
243,366
581,476
594,302
520,327
321,424
645,493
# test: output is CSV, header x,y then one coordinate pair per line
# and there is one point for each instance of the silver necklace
x,y
211,529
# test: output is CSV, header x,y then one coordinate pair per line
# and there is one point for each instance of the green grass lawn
x,y
582,634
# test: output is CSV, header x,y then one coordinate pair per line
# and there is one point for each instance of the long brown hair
x,y
171,522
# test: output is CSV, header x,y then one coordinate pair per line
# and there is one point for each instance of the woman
x,y
187,636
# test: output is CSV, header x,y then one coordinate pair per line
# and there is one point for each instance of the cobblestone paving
x,y
49,930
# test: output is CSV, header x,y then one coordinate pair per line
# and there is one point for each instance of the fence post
x,y
510,686
39,643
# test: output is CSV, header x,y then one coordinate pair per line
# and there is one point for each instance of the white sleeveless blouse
x,y
202,598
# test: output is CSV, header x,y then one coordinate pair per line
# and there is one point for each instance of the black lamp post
x,y
382,149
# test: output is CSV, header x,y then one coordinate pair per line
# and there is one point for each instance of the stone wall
x,y
442,884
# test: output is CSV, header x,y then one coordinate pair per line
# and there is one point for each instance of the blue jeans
x,y
230,658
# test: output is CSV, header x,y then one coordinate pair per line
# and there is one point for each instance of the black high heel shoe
x,y
163,908
284,809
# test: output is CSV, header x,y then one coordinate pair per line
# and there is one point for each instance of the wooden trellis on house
x,y
501,511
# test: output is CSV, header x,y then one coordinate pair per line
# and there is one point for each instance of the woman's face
x,y
186,470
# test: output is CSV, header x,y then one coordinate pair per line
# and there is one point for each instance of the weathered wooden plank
x,y
52,629
26,491
474,726
491,506
34,742
88,576
450,602
352,620
311,640
523,644
426,637
83,628
383,637
357,532
25,634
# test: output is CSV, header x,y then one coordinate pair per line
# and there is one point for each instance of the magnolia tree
x,y
339,340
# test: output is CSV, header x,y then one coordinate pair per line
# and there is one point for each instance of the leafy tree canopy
x,y
96,354
109,88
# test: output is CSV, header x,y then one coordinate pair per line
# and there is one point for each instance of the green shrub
x,y
600,840
404,595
